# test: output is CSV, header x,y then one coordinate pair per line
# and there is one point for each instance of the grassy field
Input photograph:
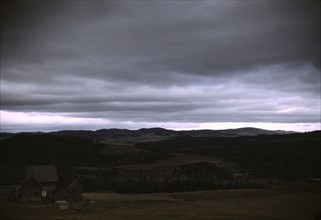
x,y
174,161
111,149
296,201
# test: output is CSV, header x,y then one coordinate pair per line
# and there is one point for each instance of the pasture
x,y
296,201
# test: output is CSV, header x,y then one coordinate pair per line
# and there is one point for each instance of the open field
x,y
111,149
297,201
174,161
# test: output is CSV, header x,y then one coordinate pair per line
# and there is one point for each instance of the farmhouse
x,y
30,189
35,183
27,182
45,175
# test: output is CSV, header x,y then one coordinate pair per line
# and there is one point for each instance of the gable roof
x,y
61,193
42,173
61,187
30,179
74,183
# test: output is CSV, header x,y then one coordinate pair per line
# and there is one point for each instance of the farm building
x,y
37,182
61,193
45,174
75,188
28,182
30,189
62,205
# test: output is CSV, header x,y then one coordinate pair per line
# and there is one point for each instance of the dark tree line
x,y
286,157
195,176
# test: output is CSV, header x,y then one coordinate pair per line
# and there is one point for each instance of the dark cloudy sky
x,y
173,64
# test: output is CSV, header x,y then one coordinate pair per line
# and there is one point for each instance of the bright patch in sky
x,y
51,122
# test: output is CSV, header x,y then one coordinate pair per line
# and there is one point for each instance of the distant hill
x,y
158,134
155,134
6,134
115,135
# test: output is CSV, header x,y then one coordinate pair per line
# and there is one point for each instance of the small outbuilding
x,y
75,188
62,205
61,193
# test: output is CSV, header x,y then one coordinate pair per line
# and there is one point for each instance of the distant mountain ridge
x,y
115,135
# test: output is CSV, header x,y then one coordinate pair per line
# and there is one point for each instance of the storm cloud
x,y
176,64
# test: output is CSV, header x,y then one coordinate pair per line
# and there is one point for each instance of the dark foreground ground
x,y
296,201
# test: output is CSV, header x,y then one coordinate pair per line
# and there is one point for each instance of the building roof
x,y
74,183
49,188
42,173
31,179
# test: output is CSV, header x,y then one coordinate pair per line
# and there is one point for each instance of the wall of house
x,y
31,190
76,192
61,194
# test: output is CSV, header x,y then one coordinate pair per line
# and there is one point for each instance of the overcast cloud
x,y
175,64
